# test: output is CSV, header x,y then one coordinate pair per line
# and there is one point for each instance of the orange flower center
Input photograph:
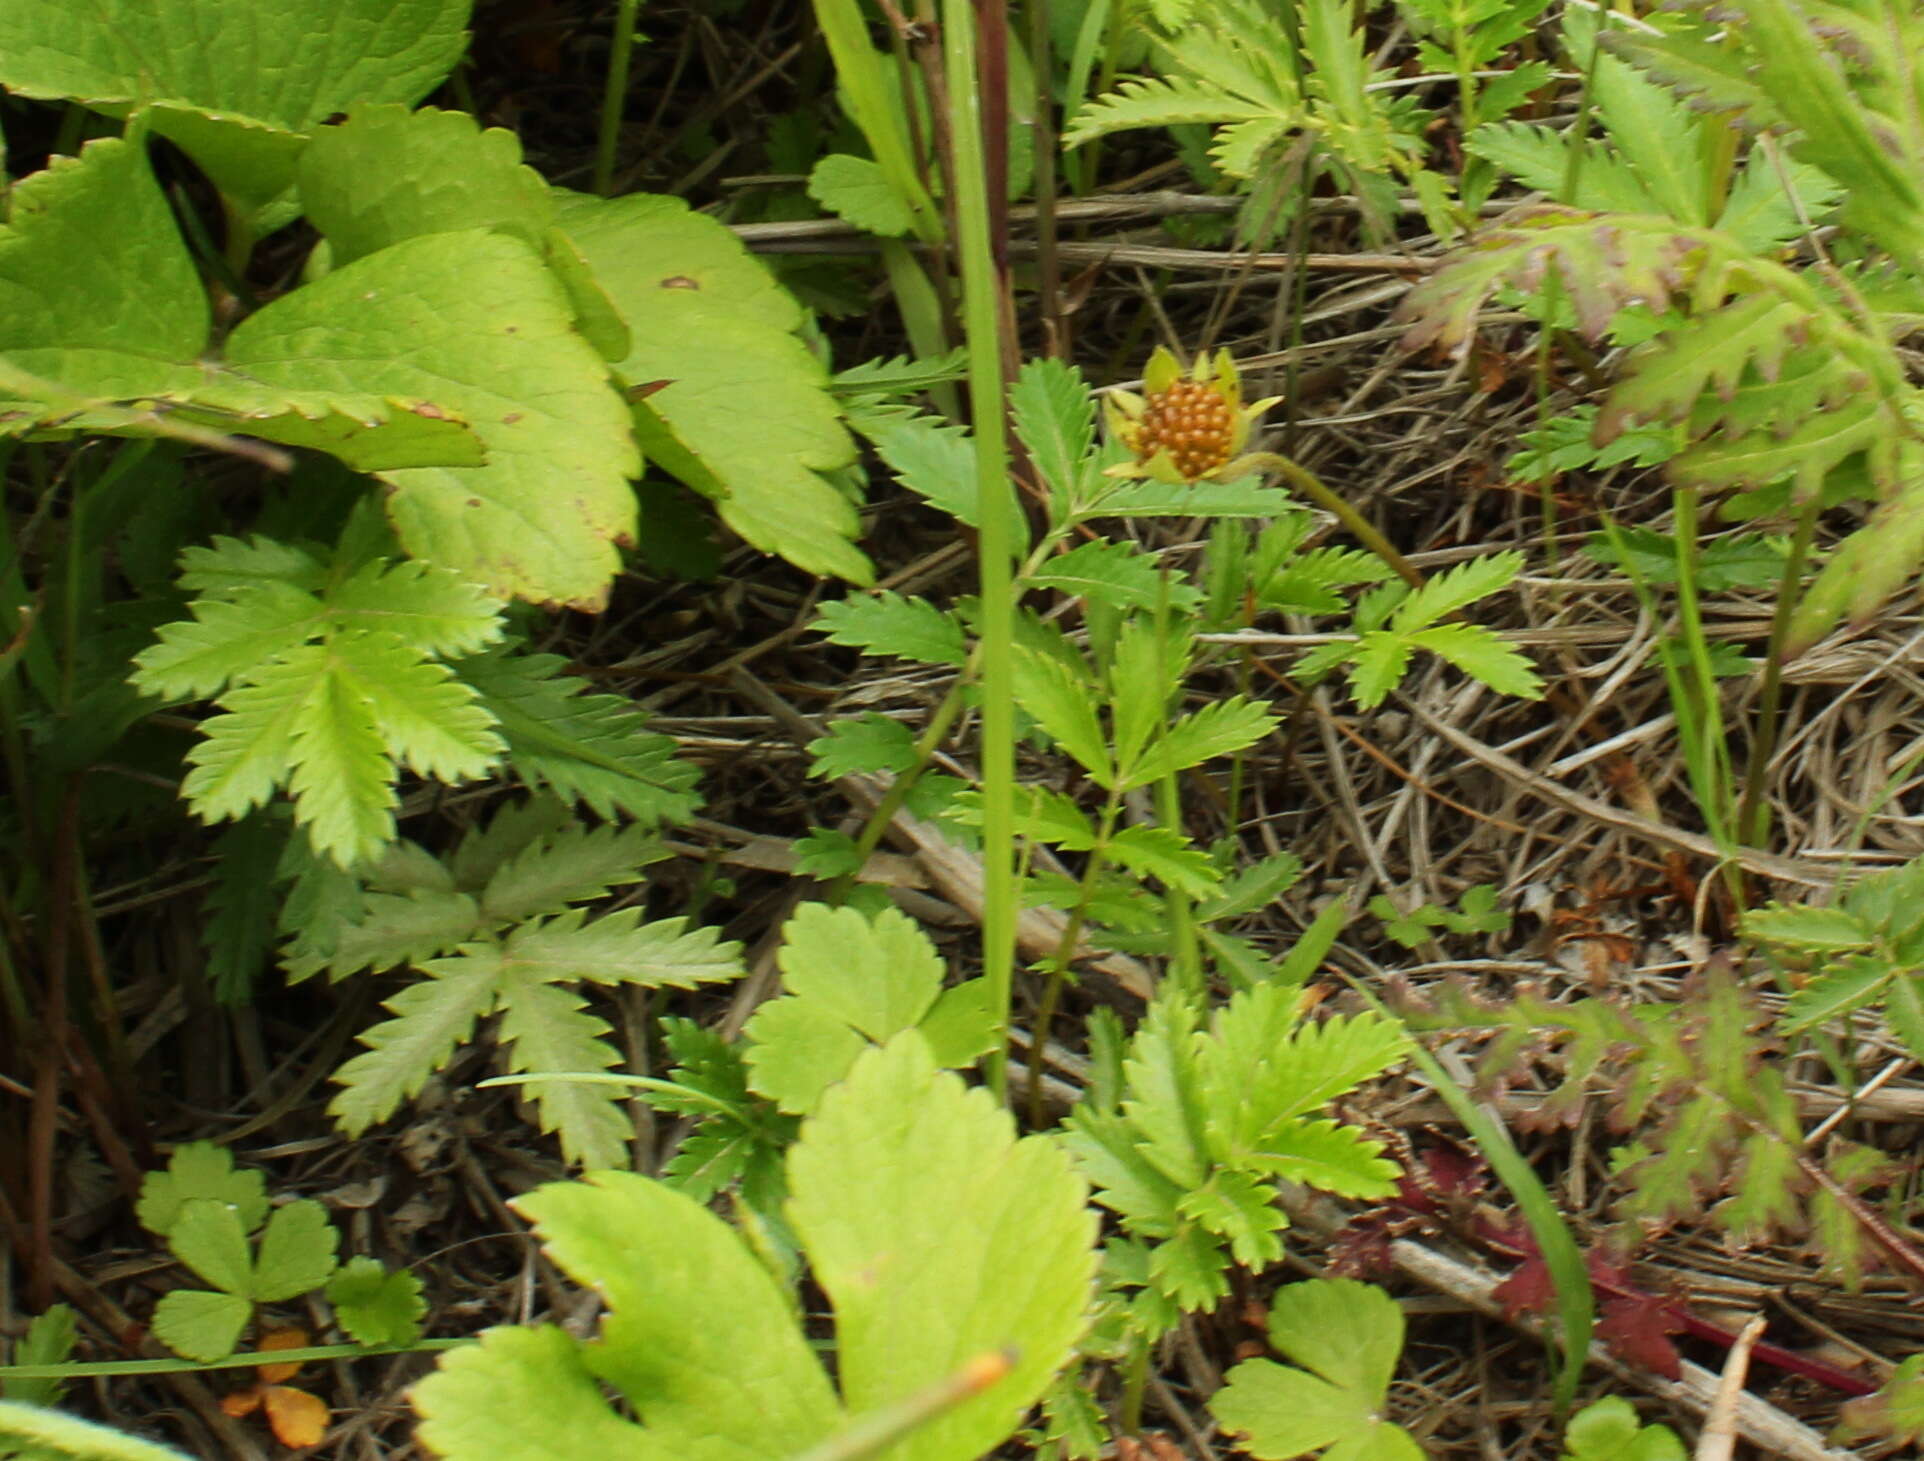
x,y
1193,423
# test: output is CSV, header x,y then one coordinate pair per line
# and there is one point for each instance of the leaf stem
x,y
982,294
1306,481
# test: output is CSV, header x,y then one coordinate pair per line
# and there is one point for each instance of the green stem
x,y
1065,954
1753,817
1185,956
933,734
1360,527
614,94
982,289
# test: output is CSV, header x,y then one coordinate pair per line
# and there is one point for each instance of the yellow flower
x,y
1184,427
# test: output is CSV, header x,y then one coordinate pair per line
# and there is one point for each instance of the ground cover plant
x,y
1106,728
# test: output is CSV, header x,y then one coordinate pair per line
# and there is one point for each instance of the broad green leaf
x,y
49,1340
200,1169
85,238
236,82
857,190
1347,1337
698,1336
1607,1430
1216,730
201,1325
1326,1155
849,980
473,323
799,1050
374,1305
386,174
890,623
1253,888
912,1198
208,1237
37,1433
296,1252
714,330
526,1393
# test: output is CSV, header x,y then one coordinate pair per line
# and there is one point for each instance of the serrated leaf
x,y
547,1028
1377,665
849,980
891,623
525,1392
1477,652
1116,575
1347,1336
857,190
1329,1156
374,1305
1455,589
433,611
1056,420
621,949
1164,853
236,82
867,743
200,1170
201,1325
709,320
936,461
1245,498
225,640
207,1235
296,1252
587,748
575,864
514,827
239,929
432,1016
1240,1210
1221,729
1820,930
911,1197
392,931
1063,703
